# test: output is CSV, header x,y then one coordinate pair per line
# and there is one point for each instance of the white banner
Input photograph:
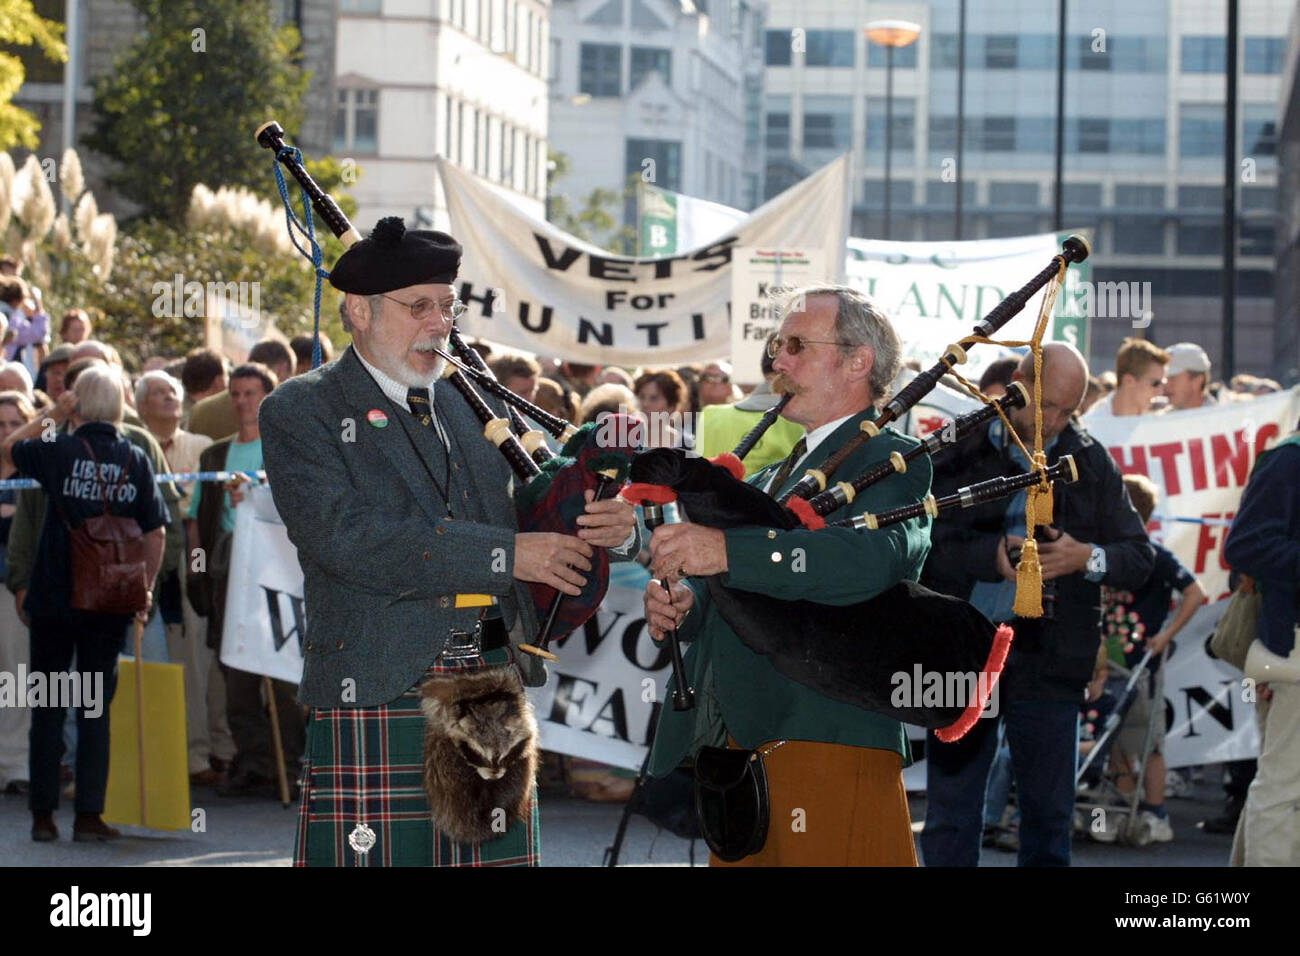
x,y
1200,459
264,622
936,292
600,700
606,690
753,273
534,287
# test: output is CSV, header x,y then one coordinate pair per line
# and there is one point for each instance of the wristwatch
x,y
1096,568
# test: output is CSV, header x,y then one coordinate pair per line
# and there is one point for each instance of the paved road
x,y
248,832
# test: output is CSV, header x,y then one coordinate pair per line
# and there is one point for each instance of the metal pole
x,y
1058,217
961,107
1229,359
889,123
70,79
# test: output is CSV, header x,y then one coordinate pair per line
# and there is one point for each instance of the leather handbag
x,y
731,801
1238,626
107,559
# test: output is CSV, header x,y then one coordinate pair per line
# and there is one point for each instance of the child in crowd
x,y
1133,622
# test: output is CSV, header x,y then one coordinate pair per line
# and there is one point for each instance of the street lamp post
x,y
890,34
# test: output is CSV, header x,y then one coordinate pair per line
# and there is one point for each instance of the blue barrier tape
x,y
21,483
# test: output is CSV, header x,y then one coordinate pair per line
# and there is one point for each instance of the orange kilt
x,y
854,808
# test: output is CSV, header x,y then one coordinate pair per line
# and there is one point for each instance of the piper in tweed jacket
x,y
382,562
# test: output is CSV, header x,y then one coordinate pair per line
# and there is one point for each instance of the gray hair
x,y
858,322
343,314
157,375
99,395
20,370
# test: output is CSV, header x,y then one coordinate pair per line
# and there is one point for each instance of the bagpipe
x,y
550,489
856,653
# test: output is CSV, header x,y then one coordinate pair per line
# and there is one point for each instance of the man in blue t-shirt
x,y
1133,622
210,526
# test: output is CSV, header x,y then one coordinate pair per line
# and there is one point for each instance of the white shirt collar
x,y
390,386
821,433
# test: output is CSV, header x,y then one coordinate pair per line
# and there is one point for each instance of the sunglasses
x,y
421,309
794,344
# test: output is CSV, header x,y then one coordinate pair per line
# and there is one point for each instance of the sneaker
x,y
1160,829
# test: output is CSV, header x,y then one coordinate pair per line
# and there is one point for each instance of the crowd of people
x,y
200,413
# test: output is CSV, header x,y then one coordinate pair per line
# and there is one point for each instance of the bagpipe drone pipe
x,y
550,489
854,653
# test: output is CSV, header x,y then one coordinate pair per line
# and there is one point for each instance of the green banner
x,y
656,221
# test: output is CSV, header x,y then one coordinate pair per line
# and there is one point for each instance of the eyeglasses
x,y
421,309
715,378
795,344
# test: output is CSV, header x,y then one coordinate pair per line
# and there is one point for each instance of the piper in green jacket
x,y
738,693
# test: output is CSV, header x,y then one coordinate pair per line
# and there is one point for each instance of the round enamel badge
x,y
377,418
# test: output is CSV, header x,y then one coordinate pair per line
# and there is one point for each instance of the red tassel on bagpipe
x,y
805,513
729,461
988,679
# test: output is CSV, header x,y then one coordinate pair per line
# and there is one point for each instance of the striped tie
x,y
800,448
417,399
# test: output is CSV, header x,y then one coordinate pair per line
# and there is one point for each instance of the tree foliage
x,y
596,219
182,102
20,26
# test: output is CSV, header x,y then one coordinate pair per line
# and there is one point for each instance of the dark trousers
x,y
96,641
250,725
1240,774
1044,737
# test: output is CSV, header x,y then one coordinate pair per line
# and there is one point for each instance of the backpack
x,y
108,559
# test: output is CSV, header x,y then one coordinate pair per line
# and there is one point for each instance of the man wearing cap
x,y
1187,377
50,379
400,512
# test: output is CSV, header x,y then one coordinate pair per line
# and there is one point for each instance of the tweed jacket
x,y
356,485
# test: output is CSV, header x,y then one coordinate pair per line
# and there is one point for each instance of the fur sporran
x,y
480,752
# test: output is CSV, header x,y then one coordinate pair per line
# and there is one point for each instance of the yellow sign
x,y
165,781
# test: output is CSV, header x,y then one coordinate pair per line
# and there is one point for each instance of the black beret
x,y
393,258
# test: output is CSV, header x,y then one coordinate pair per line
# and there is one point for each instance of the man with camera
x,y
1095,537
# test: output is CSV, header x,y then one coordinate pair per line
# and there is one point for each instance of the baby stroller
x,y
1102,811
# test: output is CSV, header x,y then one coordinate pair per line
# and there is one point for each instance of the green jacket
x,y
29,516
739,692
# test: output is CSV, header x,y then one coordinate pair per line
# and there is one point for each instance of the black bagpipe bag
x,y
903,653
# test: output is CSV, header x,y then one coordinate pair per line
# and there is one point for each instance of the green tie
x,y
800,448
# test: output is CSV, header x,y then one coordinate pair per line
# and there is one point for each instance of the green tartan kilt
x,y
383,747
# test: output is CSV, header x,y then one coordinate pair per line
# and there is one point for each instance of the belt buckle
x,y
464,645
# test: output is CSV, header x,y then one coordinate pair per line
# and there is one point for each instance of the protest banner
x,y
531,286
265,618
936,292
754,272
602,698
